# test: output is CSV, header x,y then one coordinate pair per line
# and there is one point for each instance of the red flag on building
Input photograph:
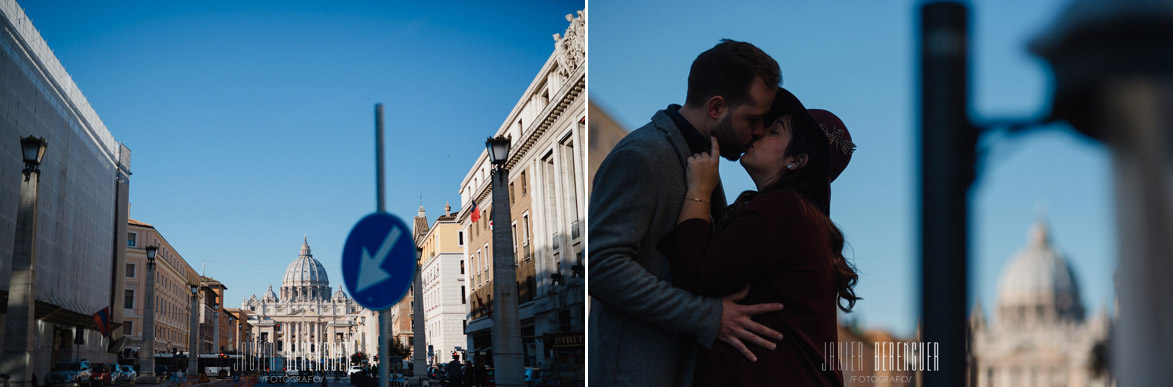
x,y
103,320
476,214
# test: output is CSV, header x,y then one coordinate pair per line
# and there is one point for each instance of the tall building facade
x,y
212,319
173,280
82,207
547,175
240,336
305,321
1039,335
445,295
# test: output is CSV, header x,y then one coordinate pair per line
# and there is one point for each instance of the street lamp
x,y
193,350
149,317
18,327
498,148
33,150
507,349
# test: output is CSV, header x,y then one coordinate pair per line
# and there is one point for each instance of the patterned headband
x,y
838,140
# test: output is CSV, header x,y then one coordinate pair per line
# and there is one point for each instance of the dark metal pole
x,y
379,193
947,169
380,199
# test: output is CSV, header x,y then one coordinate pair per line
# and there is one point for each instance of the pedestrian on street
x,y
455,378
480,373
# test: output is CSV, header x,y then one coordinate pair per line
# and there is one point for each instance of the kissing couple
x,y
688,289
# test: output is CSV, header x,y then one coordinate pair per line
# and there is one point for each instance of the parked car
x,y
353,370
75,372
531,376
291,372
128,373
102,374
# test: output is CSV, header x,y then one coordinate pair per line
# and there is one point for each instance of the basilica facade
x,y
304,320
1040,334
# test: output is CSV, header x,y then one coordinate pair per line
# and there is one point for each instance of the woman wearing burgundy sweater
x,y
778,241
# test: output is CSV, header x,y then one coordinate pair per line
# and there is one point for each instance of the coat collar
x,y
672,134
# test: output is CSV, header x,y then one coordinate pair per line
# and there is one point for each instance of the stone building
x,y
240,332
173,280
602,136
1039,335
81,212
304,321
445,295
547,175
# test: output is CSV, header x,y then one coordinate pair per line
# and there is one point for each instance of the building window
x,y
524,231
128,327
462,266
128,302
130,270
131,239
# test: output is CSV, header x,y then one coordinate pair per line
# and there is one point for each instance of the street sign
x,y
378,261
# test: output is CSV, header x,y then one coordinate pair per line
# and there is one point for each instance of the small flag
x,y
476,214
103,320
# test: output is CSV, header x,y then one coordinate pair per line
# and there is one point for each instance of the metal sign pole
x,y
384,324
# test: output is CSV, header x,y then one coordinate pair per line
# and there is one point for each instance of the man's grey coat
x,y
643,331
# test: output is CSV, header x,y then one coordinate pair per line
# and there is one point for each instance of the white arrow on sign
x,y
371,267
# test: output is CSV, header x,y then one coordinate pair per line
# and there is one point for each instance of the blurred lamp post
x,y
149,318
1125,103
507,355
19,324
193,350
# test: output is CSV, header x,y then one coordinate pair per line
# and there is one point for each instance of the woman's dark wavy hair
x,y
812,183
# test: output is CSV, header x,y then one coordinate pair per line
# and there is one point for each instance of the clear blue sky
x,y
252,123
858,60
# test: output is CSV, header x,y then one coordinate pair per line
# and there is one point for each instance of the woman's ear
x,y
798,161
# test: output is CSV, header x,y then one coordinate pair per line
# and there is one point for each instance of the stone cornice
x,y
551,113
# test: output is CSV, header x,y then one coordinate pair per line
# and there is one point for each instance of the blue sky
x,y
252,123
859,61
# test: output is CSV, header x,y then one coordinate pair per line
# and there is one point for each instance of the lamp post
x,y
149,317
506,323
216,326
18,327
1125,103
193,349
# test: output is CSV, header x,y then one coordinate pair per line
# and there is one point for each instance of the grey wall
x,y
76,209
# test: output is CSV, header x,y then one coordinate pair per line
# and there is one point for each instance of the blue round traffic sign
x,y
378,261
